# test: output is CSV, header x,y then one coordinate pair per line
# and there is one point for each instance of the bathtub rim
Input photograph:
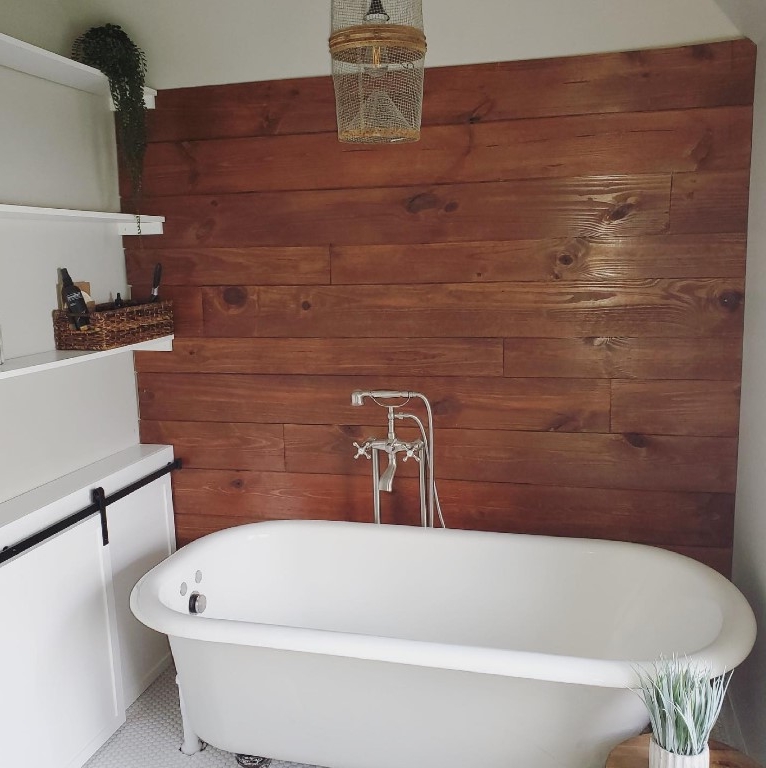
x,y
735,640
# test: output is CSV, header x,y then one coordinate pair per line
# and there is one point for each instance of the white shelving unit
x,y
126,222
23,57
45,361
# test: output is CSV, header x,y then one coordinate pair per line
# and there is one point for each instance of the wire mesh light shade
x,y
378,53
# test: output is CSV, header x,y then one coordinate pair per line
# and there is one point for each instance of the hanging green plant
x,y
111,51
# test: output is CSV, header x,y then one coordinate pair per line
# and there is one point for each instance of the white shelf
x,y
126,222
23,57
45,361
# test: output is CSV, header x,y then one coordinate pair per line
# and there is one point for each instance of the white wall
x,y
749,682
57,150
45,23
198,42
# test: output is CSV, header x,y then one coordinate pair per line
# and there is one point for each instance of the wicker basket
x,y
111,328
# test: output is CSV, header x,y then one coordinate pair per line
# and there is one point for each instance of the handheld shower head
x,y
358,396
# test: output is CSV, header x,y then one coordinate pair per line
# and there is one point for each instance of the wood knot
x,y
730,300
444,407
236,296
204,230
636,440
238,483
559,423
621,211
480,112
306,305
702,52
422,202
566,259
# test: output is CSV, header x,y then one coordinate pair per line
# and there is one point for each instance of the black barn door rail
x,y
100,502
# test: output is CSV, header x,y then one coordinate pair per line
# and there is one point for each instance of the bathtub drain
x,y
249,761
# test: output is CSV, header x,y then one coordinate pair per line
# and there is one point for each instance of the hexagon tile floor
x,y
152,734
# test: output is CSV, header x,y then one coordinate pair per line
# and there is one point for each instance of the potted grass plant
x,y
683,704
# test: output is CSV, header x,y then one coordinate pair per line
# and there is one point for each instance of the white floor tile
x,y
152,735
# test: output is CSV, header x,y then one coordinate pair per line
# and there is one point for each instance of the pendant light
x,y
378,53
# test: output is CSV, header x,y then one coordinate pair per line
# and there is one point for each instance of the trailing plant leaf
x,y
683,703
109,49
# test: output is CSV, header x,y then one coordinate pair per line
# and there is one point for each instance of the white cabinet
x,y
61,688
73,657
141,534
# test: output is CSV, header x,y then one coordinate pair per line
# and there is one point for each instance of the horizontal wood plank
x,y
644,517
599,145
187,308
612,206
212,445
573,259
678,519
631,462
708,75
234,498
620,357
672,308
227,266
491,403
384,357
676,407
670,78
710,202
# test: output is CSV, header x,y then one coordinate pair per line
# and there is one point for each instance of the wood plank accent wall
x,y
558,264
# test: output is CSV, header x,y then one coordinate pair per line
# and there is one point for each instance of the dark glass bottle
x,y
74,302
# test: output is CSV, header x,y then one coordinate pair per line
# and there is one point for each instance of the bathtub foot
x,y
249,761
191,743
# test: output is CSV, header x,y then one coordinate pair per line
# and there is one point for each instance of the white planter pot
x,y
661,758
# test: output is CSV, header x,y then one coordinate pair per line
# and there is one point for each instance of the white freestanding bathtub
x,y
352,645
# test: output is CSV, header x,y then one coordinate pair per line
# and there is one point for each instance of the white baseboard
x,y
133,689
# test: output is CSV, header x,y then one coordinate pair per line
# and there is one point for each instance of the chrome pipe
x,y
375,486
422,471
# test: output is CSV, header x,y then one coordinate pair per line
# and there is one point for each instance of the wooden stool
x,y
634,753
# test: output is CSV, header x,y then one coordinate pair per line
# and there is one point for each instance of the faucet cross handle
x,y
363,450
412,451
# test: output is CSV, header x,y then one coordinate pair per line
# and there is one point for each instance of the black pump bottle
x,y
74,302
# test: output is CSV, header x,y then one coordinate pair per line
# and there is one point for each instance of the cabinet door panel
x,y
141,534
61,683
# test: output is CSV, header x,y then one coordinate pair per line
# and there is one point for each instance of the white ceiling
x,y
202,42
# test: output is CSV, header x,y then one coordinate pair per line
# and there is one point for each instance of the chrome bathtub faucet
x,y
421,450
